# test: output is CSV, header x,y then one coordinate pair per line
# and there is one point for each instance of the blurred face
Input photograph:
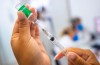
x,y
71,33
78,21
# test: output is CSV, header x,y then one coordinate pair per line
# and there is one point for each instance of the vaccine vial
x,y
24,9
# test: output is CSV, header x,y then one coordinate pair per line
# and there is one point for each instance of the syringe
x,y
28,13
53,40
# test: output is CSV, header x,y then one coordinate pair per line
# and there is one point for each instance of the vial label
x,y
25,10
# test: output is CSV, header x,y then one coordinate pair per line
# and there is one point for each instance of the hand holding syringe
x,y
28,14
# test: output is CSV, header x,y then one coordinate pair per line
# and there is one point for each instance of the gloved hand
x,y
25,42
78,56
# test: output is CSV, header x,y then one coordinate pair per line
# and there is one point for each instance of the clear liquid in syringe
x,y
53,40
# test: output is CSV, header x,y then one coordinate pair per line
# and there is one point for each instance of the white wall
x,y
59,13
6,25
87,10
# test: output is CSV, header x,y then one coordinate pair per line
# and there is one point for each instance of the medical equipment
x,y
28,13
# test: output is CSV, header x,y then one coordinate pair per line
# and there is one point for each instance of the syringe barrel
x,y
60,47
53,40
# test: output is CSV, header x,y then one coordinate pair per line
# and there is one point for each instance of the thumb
x,y
76,59
24,26
59,55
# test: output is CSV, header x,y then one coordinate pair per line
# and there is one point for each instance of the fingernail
x,y
55,58
71,56
21,16
35,10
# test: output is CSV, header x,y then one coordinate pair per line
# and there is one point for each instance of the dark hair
x,y
65,31
75,20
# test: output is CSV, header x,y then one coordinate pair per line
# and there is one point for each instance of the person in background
x,y
84,37
77,24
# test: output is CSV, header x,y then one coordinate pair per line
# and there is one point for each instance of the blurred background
x,y
75,23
